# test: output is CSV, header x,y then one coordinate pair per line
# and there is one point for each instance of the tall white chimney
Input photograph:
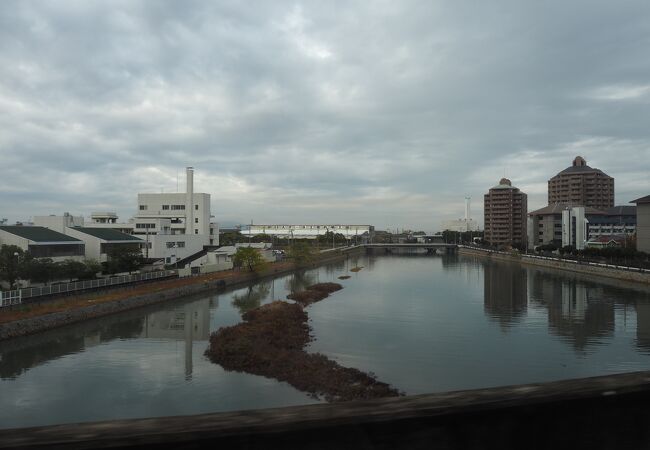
x,y
467,209
189,201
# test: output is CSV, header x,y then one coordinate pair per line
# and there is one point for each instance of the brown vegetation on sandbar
x,y
270,343
356,269
344,277
314,293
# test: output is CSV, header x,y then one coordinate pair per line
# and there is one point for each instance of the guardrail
x,y
10,298
565,260
16,297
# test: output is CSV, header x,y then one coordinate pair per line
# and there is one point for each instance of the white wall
x,y
159,249
12,239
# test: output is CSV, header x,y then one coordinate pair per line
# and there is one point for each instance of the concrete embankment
x,y
44,322
619,274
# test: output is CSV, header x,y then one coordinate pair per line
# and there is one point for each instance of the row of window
x,y
179,244
168,207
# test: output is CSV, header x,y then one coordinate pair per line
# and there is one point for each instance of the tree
x,y
301,253
11,259
249,258
261,238
231,238
124,259
71,269
39,270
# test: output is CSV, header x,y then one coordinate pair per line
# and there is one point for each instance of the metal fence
x,y
566,260
16,297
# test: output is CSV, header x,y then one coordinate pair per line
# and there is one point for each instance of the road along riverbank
x,y
636,276
36,318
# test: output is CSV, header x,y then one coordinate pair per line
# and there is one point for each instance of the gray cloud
x,y
380,112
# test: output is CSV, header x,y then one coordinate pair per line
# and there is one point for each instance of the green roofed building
x,y
100,241
42,242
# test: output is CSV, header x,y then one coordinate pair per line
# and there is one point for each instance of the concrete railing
x,y
591,413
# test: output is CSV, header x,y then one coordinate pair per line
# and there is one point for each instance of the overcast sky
x,y
380,112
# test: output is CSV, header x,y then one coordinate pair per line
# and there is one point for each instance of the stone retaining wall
x,y
619,274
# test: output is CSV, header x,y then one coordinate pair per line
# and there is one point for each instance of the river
x,y
421,323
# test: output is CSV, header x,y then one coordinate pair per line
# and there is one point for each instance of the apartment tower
x,y
582,185
505,208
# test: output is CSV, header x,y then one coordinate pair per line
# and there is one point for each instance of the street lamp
x,y
16,254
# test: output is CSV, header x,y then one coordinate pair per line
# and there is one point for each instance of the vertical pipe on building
x,y
189,201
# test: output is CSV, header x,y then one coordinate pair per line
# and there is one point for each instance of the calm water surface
x,y
420,323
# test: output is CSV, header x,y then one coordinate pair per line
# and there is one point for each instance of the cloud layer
x,y
370,112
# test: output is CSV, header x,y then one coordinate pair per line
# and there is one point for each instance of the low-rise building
x,y
618,220
99,243
643,223
546,225
41,242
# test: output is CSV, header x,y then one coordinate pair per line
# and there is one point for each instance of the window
x,y
178,207
196,207
180,245
171,244
145,225
143,207
196,220
165,207
196,231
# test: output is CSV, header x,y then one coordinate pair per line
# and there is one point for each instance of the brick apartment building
x,y
582,185
505,208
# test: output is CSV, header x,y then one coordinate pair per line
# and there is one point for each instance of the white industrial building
x,y
175,225
296,231
462,225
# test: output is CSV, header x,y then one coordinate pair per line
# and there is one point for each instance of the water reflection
x,y
505,290
643,325
188,322
253,296
577,310
19,355
300,280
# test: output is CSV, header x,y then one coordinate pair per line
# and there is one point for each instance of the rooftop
x,y
504,183
580,166
107,234
38,234
645,199
622,210
558,207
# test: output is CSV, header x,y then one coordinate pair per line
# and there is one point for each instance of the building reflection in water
x,y
643,324
19,355
577,311
188,322
505,290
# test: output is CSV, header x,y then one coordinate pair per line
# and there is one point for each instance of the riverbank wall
x,y
566,265
590,413
49,321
